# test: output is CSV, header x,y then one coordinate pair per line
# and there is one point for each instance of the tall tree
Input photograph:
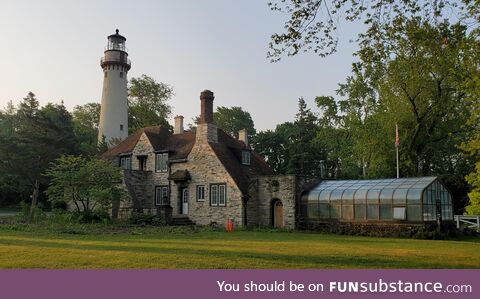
x,y
148,103
40,136
312,25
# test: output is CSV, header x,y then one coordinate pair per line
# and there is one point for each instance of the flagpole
x,y
398,168
397,145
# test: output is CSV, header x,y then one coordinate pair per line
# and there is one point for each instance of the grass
x,y
122,247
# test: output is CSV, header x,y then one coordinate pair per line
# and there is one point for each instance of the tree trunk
x,y
36,188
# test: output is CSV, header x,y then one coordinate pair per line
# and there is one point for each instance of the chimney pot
x,y
178,128
243,136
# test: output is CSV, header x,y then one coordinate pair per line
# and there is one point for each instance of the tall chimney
x,y
206,109
178,129
243,136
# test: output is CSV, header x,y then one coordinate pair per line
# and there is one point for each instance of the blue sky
x,y
53,48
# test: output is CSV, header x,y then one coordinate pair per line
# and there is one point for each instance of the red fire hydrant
x,y
229,225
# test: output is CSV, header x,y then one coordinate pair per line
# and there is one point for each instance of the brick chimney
x,y
243,136
206,109
178,129
206,129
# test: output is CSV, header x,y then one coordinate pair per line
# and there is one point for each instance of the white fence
x,y
468,221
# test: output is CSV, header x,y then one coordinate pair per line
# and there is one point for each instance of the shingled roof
x,y
228,150
161,139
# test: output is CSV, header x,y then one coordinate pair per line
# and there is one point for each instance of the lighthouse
x,y
115,64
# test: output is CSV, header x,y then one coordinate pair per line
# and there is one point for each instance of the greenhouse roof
x,y
380,188
403,183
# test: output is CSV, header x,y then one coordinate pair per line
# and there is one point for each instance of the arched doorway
x,y
277,213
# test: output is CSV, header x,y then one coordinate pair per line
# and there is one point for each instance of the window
x,y
200,193
161,195
161,162
105,74
218,195
245,157
126,162
121,127
121,74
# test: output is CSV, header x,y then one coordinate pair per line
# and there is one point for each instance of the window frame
x,y
162,188
198,193
215,188
158,165
246,157
125,157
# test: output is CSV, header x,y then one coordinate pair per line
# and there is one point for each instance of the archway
x,y
277,213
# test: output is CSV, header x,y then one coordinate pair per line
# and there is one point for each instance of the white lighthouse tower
x,y
114,110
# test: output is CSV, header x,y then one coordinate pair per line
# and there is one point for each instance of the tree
x,y
274,146
232,120
86,119
147,103
472,146
312,24
40,135
87,185
291,149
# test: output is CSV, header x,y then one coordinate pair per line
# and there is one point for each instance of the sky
x,y
53,48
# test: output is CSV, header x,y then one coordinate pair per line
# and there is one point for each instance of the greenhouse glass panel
x,y
372,212
360,195
386,212
429,213
414,213
313,195
325,195
335,211
347,212
372,195
347,197
360,211
399,196
313,210
324,211
387,194
414,196
336,195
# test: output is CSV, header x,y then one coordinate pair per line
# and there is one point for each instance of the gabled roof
x,y
161,139
228,150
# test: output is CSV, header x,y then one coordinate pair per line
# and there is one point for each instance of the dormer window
x,y
246,157
161,163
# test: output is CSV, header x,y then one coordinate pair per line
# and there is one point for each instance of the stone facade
x,y
207,157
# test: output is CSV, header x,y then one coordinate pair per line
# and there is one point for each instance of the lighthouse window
x,y
105,74
121,127
121,74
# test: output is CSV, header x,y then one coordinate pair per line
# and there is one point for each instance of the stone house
x,y
204,176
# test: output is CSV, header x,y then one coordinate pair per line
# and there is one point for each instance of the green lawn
x,y
185,248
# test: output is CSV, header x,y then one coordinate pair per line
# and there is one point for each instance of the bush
x,y
142,219
414,231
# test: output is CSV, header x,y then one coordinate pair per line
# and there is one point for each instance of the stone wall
x,y
264,190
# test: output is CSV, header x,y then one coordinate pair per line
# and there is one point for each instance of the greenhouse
x,y
397,200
